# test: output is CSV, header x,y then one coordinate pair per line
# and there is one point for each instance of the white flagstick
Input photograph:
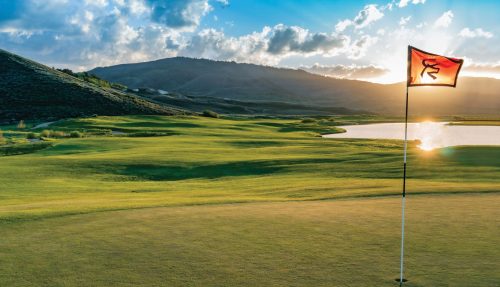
x,y
404,193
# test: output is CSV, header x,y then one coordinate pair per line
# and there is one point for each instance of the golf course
x,y
227,143
241,201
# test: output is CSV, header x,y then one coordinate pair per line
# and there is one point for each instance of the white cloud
x,y
475,33
179,14
365,17
98,3
421,25
266,47
359,47
444,20
418,1
224,3
404,20
404,3
483,67
138,7
342,25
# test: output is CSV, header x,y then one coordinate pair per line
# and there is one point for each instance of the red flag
x,y
427,69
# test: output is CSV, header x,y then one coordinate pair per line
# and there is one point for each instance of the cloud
x,y
365,17
296,39
476,33
342,25
224,3
179,13
266,47
83,34
347,72
359,48
483,68
404,20
34,16
444,20
404,3
98,3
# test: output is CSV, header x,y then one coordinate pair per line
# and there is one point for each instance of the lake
x,y
431,134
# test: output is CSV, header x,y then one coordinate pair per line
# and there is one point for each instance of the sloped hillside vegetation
x,y
29,91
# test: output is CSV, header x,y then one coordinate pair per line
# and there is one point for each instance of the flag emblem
x,y
427,69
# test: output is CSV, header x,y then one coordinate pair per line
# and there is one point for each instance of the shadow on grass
x,y
257,144
317,127
473,156
147,124
158,172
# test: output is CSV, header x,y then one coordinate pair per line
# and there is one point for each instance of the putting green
x,y
452,240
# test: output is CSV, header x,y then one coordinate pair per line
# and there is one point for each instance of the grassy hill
x,y
253,83
29,90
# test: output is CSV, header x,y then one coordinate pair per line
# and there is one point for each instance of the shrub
x,y
210,114
45,134
75,134
308,121
57,134
31,136
21,125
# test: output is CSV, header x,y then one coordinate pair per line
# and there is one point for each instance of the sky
x,y
365,40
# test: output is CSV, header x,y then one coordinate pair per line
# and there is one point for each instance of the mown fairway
x,y
230,208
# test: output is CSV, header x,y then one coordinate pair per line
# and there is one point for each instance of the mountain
x,y
29,90
254,83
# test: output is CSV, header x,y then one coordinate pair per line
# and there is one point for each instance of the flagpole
x,y
403,198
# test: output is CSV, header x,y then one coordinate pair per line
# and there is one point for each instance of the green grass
x,y
212,161
451,241
167,210
477,123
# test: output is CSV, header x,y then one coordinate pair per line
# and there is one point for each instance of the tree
x,y
21,125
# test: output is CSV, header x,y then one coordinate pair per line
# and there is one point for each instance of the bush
x,y
45,134
210,114
31,136
21,125
57,134
52,134
75,134
308,121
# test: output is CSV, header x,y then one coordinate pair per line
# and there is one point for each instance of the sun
x,y
429,134
426,146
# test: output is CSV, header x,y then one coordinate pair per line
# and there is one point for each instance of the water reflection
x,y
431,135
